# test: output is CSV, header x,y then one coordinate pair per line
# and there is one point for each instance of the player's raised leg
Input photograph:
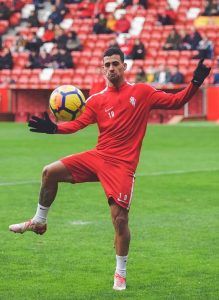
x,y
122,241
51,176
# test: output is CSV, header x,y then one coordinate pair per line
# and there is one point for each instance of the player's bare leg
x,y
51,176
122,240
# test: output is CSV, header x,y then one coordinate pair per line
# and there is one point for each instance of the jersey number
x,y
111,114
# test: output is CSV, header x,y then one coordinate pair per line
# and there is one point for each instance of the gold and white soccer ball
x,y
67,103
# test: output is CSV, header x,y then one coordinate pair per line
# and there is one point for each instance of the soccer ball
x,y
67,103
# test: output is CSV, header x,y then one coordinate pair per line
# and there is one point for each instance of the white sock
x,y
121,265
41,214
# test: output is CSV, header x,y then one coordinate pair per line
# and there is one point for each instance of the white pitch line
x,y
161,173
19,182
175,172
79,222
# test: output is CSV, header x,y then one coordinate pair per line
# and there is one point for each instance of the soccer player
x,y
121,112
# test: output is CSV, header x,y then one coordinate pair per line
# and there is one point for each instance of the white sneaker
x,y
28,226
119,282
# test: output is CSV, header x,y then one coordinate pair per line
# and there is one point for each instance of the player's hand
x,y
200,73
42,125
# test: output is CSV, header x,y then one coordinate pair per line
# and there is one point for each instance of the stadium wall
x,y
4,100
213,103
24,102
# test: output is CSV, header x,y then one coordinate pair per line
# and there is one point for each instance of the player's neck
x,y
117,84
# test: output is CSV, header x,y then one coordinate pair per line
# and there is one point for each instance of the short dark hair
x,y
114,51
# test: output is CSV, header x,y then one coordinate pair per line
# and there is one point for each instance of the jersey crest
x,y
132,100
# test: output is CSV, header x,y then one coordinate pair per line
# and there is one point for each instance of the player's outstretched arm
x,y
162,100
42,125
200,73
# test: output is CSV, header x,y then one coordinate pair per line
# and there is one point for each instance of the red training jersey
x,y
122,115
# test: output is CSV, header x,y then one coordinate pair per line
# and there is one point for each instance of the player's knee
x,y
47,173
120,224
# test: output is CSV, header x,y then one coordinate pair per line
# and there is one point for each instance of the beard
x,y
113,77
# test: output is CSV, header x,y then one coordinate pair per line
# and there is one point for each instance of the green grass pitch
x,y
174,219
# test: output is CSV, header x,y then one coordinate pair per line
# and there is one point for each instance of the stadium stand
x,y
80,16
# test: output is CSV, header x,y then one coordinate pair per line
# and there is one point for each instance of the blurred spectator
x,y
127,3
143,3
162,76
122,25
191,40
140,75
4,11
111,22
100,25
38,4
72,1
61,38
49,34
58,13
113,43
34,62
34,44
20,43
173,41
55,58
166,17
73,42
60,5
32,20
127,48
65,60
176,76
205,48
216,77
6,60
211,8
138,50
0,42
150,75
45,59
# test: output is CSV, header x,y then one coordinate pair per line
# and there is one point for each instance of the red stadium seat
x,y
34,81
84,61
15,19
77,80
88,80
56,79
3,26
160,61
163,53
92,70
23,79
183,61
95,61
171,61
152,52
148,62
174,53
81,71
66,79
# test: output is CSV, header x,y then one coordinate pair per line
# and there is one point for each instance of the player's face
x,y
113,68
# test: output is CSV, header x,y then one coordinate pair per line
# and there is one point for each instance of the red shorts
x,y
116,178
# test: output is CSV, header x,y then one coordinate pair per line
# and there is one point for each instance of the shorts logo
x,y
132,101
122,198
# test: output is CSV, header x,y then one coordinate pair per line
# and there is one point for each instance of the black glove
x,y
43,125
200,73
